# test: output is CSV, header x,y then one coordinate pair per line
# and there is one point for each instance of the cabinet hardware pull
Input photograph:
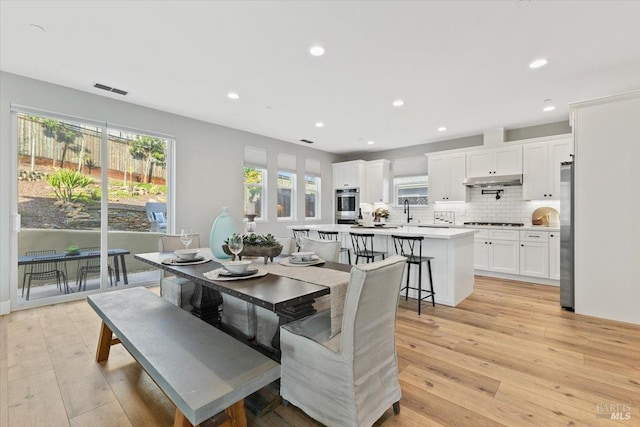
x,y
522,246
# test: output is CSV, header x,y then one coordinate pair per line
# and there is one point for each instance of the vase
x,y
222,228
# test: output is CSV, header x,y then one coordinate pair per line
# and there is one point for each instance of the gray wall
x,y
209,158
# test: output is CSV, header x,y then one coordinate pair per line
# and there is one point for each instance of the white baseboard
x,y
5,307
536,280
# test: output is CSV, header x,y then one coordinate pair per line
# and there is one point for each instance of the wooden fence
x,y
32,141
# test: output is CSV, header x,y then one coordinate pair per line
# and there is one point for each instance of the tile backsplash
x,y
482,208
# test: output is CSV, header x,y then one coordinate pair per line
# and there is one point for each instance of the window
x,y
311,197
286,195
254,191
412,188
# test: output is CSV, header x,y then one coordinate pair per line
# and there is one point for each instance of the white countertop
x,y
427,232
526,227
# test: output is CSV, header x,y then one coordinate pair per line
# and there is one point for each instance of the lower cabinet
x,y
523,253
503,256
554,255
497,250
534,259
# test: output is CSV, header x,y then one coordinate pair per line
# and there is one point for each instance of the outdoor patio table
x,y
117,254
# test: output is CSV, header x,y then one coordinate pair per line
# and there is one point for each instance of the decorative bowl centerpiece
x,y
257,245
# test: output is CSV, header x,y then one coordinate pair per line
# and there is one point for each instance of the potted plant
x,y
258,245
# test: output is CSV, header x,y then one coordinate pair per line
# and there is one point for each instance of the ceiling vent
x,y
110,89
307,141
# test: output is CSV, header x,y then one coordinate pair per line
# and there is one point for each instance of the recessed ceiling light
x,y
442,129
319,124
538,63
547,105
317,51
398,103
233,95
370,142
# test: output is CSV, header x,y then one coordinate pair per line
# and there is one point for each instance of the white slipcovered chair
x,y
352,378
176,290
267,321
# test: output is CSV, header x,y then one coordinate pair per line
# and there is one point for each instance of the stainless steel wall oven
x,y
347,204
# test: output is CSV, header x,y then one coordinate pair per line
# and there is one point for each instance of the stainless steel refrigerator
x,y
567,296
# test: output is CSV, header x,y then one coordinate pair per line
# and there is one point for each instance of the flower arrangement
x,y
382,213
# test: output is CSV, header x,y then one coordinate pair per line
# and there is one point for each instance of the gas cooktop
x,y
497,224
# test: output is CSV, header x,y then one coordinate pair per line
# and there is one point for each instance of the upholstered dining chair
x,y
176,290
352,378
267,321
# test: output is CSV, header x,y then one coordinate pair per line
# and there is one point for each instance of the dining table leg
x,y
206,303
289,314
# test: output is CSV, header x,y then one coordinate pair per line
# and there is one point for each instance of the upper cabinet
x,y
446,173
349,174
541,168
495,161
377,186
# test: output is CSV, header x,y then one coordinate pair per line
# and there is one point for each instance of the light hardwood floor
x,y
508,355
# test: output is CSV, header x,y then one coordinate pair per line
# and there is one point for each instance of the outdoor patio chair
x,y
45,271
90,265
157,216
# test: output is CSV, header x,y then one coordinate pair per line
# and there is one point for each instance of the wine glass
x,y
235,245
300,241
186,237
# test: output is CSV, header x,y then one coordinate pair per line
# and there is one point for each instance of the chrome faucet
x,y
406,210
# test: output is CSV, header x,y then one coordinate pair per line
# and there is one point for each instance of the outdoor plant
x,y
68,185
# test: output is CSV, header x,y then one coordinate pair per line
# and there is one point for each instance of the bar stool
x,y
413,253
363,247
333,235
297,234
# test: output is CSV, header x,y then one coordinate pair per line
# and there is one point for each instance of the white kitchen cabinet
x,y
349,174
377,182
541,168
496,161
534,259
446,174
504,256
554,255
497,250
481,250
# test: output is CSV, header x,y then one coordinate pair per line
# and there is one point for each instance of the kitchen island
x,y
452,249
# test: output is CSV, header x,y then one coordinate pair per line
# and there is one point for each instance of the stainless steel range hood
x,y
493,181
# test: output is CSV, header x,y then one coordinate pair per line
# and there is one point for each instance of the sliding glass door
x,y
88,198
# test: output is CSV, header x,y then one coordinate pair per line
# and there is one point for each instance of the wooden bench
x,y
203,371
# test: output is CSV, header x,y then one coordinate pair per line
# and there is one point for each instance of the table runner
x,y
335,280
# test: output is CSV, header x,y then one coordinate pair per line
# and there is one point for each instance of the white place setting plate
x,y
315,260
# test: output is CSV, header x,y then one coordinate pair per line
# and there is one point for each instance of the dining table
x,y
290,298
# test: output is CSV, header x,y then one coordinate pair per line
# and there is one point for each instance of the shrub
x,y
68,185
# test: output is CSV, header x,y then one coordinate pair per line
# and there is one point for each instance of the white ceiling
x,y
463,65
